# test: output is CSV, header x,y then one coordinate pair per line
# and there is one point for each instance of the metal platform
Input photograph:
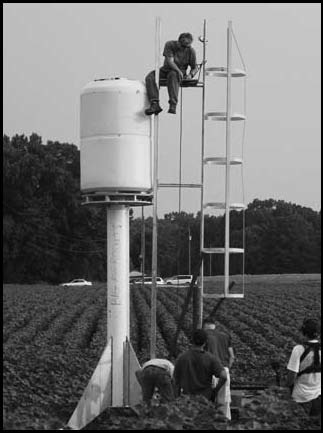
x,y
222,115
221,161
221,250
183,83
223,72
221,205
116,197
222,295
180,185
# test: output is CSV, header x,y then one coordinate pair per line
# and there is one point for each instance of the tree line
x,y
49,236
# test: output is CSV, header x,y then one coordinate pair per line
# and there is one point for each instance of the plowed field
x,y
53,337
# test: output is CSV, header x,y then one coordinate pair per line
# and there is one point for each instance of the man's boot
x,y
154,108
172,108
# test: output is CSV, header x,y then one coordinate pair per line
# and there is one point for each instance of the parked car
x,y
77,282
179,280
134,279
134,275
148,281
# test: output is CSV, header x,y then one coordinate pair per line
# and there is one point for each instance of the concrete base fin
x,y
132,389
98,394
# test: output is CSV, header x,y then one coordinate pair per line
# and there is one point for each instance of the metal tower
x,y
228,161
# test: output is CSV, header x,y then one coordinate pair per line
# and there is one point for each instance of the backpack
x,y
315,367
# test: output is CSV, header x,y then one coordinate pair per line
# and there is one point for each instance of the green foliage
x,y
185,413
53,339
271,409
282,238
49,236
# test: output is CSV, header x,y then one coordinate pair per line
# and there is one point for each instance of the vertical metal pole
x,y
155,187
180,157
143,246
200,292
189,250
118,327
227,168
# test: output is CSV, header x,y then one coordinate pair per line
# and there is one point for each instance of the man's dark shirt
x,y
183,56
194,369
218,344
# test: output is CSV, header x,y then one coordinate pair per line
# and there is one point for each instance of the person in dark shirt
x,y
194,369
219,344
179,55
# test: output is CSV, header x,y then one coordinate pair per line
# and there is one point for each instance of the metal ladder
x,y
228,161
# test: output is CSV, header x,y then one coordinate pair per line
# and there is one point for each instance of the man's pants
x,y
151,377
172,85
224,395
313,407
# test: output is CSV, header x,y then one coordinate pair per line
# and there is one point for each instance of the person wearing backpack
x,y
304,370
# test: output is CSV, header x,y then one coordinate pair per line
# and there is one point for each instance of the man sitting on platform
x,y
179,55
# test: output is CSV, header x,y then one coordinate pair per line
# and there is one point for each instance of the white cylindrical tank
x,y
115,137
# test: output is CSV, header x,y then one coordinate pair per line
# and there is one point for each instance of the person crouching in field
x,y
156,373
219,344
195,367
304,370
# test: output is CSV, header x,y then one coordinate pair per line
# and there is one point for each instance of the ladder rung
x,y
221,250
181,185
222,295
217,205
213,295
223,72
222,161
222,115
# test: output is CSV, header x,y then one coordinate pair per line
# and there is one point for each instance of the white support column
x,y
118,311
228,157
113,382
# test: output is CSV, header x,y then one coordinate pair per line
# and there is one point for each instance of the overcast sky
x,y
52,50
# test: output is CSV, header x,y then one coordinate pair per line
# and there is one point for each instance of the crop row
x,y
53,337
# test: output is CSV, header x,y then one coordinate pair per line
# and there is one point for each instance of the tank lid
x,y
112,78
113,83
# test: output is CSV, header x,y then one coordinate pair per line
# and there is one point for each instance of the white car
x,y
179,280
77,282
148,281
